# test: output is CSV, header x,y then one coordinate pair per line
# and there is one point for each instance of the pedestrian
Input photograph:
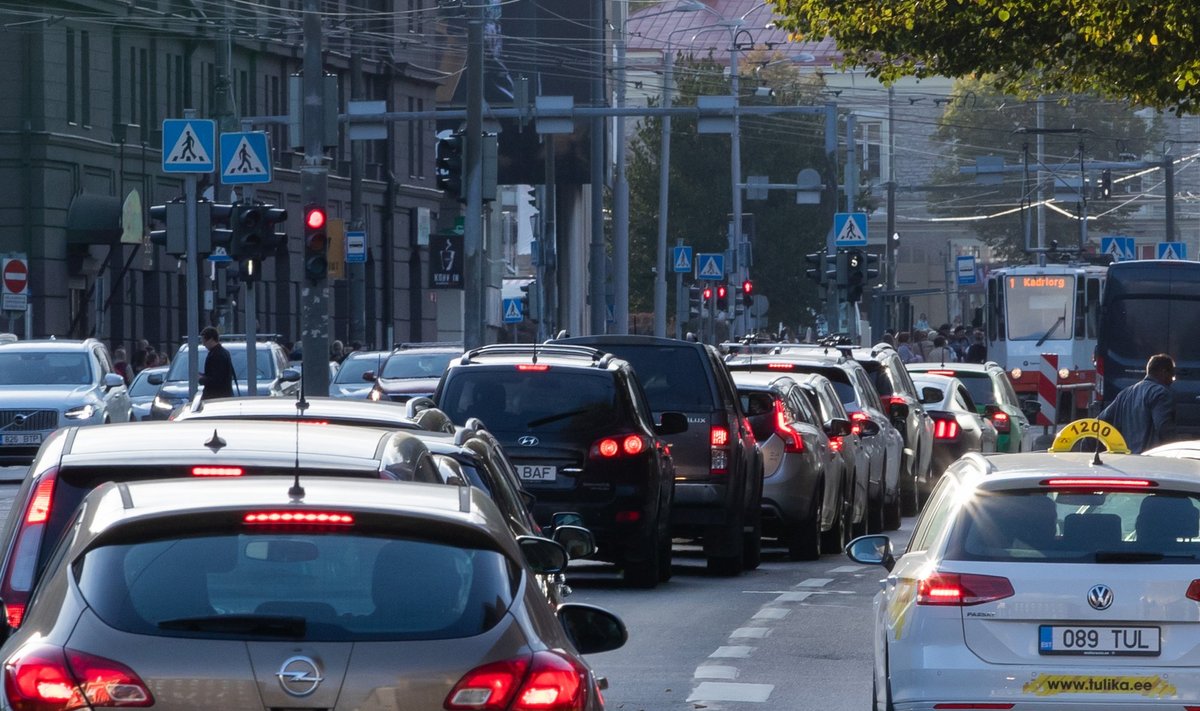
x,y
337,352
217,377
1144,413
960,343
905,349
941,352
977,352
889,339
924,344
922,323
121,365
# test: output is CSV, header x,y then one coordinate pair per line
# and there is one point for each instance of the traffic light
x,y
1105,184
747,292
171,237
722,298
694,300
244,224
315,240
816,267
449,151
872,265
269,239
841,272
220,229
705,300
856,274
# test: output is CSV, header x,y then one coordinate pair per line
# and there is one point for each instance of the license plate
x,y
19,439
537,472
1099,641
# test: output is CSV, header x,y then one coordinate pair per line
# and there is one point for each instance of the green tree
x,y
1143,52
777,146
980,121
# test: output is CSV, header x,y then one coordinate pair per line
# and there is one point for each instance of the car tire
x,y
752,544
892,513
645,573
730,564
838,535
910,493
875,514
805,540
664,557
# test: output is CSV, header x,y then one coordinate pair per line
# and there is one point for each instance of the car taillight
x,y
48,678
947,429
1099,483
856,420
216,471
23,561
547,682
780,366
298,518
1001,422
1193,591
718,439
973,706
891,400
533,367
629,445
792,440
836,444
946,373
962,589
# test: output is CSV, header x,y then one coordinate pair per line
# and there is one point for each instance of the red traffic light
x,y
747,287
721,291
314,218
707,292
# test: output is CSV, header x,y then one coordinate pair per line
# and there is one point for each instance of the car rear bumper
x,y
701,504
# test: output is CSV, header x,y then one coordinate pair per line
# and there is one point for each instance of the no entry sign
x,y
16,276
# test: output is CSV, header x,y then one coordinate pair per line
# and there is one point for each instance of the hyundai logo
x,y
299,676
528,441
1100,597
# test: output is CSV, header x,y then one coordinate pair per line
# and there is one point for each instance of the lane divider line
x,y
731,652
750,632
726,691
716,671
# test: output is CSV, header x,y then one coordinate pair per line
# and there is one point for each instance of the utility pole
x,y
474,327
664,186
1168,165
313,185
356,272
596,261
620,190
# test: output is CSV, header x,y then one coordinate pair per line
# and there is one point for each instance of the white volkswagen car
x,y
1044,581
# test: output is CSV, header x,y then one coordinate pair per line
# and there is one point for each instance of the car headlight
x,y
82,412
375,395
165,403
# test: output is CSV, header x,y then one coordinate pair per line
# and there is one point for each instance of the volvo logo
x,y
299,676
1100,597
528,441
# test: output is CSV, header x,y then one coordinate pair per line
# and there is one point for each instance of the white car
x,y
1044,581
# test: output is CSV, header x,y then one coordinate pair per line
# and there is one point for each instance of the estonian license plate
x,y
1099,641
19,439
537,472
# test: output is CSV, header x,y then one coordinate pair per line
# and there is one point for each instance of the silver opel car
x,y
47,384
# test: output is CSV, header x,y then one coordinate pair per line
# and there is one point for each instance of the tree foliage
x,y
1143,52
700,191
983,122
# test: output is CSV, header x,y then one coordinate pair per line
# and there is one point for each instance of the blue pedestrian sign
x,y
512,311
1121,249
1172,250
965,267
681,258
710,265
188,145
356,247
850,229
245,158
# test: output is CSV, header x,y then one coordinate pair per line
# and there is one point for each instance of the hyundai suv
x,y
575,424
271,380
718,489
47,384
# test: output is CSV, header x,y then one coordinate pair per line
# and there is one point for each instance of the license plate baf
x,y
537,472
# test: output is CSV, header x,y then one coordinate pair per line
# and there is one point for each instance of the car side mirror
x,y
838,427
369,376
869,428
577,540
898,411
289,375
671,423
592,629
566,518
990,411
872,550
1031,408
156,378
113,380
930,395
543,555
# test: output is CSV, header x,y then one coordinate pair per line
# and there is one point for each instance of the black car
x,y
575,424
718,488
411,370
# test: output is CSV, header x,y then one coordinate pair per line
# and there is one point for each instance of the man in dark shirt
x,y
1144,413
217,377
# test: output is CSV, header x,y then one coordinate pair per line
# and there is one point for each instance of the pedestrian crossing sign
x,y
1172,250
710,265
850,229
682,259
512,311
245,158
188,145
1121,249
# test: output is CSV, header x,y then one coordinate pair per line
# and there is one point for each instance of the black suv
x,y
576,426
903,406
718,489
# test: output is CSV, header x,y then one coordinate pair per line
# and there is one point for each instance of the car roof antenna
x,y
296,492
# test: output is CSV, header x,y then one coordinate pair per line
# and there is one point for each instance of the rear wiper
x,y
1139,556
551,418
1053,328
261,625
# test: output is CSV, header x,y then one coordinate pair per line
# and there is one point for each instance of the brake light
x,y
962,589
535,367
856,420
780,366
1099,483
298,518
947,373
1193,591
546,682
836,444
718,436
24,561
216,471
39,504
1001,422
973,706
619,445
891,400
792,440
718,439
47,678
628,516
945,429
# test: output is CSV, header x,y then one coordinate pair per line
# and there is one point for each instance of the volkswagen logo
x,y
528,441
299,676
1100,597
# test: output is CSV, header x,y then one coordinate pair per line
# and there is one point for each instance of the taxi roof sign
x,y
1090,428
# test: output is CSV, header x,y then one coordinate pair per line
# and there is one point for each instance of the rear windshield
x,y
1078,527
759,407
306,587
263,355
1148,326
675,379
510,400
416,365
26,368
980,387
878,376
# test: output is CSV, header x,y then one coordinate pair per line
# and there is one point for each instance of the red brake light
x,y
947,373
546,682
633,444
718,436
973,706
627,445
298,518
718,439
962,589
945,429
216,471
1099,483
608,447
1001,422
1193,591
24,557
792,441
535,367
39,505
780,366
47,678
856,420
836,444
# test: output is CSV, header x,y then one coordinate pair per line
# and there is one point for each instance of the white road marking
x,y
725,691
751,632
716,671
793,597
731,652
771,613
848,569
814,582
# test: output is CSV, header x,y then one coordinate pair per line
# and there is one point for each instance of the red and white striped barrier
x,y
1047,388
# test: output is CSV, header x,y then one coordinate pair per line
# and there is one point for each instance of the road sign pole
x,y
193,281
250,281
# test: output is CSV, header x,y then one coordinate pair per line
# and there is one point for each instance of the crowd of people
x,y
945,344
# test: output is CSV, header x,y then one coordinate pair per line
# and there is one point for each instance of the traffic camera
x,y
315,239
450,151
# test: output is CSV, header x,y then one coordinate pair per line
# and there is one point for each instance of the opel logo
x,y
299,676
1100,597
528,441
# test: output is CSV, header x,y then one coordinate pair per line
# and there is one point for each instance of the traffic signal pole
x,y
192,277
314,295
474,334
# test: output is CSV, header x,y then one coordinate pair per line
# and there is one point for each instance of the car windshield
x,y
1068,526
304,587
416,365
512,400
1040,307
352,369
33,368
980,387
142,387
263,356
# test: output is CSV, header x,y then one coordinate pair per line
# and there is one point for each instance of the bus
x,y
1152,306
1033,310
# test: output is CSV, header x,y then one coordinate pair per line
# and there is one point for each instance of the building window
x,y
72,62
412,140
420,140
85,78
143,89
